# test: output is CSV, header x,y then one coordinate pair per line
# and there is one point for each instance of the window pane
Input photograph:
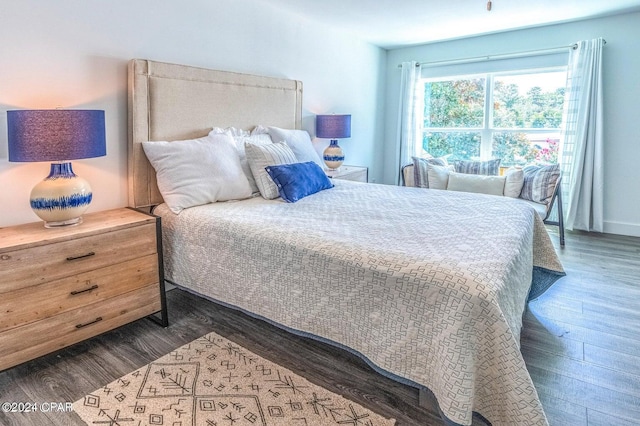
x,y
522,148
458,145
454,103
531,101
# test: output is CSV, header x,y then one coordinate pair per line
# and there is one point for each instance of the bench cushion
x,y
540,208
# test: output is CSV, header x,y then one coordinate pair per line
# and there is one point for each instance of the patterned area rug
x,y
214,382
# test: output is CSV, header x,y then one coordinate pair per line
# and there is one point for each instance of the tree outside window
x,y
515,117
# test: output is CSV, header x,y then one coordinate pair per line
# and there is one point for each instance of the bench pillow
x,y
514,182
480,184
438,176
509,185
539,183
420,171
491,167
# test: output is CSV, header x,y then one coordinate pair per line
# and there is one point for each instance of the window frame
x,y
488,129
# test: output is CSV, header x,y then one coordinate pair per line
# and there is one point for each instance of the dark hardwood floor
x,y
581,342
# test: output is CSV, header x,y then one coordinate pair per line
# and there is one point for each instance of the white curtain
x,y
582,142
409,114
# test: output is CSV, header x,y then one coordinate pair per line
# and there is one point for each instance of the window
x,y
514,116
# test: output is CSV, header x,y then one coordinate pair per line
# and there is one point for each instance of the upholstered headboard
x,y
171,102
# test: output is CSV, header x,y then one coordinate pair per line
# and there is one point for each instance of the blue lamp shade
x,y
333,127
57,136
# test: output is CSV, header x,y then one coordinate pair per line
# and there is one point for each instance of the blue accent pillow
x,y
297,180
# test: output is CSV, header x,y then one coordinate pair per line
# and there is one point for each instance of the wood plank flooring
x,y
581,342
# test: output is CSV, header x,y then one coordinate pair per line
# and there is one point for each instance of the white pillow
x,y
259,130
514,182
233,131
197,171
261,156
438,176
481,184
300,143
240,137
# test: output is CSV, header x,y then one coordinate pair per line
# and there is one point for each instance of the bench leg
x,y
560,218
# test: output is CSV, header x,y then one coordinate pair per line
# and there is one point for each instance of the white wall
x,y
74,54
621,59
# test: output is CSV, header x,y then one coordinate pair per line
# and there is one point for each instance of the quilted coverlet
x,y
428,286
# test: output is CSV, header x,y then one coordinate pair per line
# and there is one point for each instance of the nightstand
x,y
355,173
63,285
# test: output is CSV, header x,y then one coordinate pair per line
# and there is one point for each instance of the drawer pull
x,y
91,253
89,323
5,257
93,287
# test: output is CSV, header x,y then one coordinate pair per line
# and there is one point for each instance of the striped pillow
x,y
420,175
261,156
539,183
491,167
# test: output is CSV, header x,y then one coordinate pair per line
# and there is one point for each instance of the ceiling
x,y
395,23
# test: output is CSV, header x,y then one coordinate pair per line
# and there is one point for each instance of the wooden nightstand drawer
x,y
41,337
63,285
44,263
31,304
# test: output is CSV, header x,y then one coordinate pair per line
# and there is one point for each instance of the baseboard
x,y
622,228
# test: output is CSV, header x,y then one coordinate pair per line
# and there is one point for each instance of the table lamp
x,y
332,127
57,136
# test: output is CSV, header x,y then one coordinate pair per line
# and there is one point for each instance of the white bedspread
x,y
427,285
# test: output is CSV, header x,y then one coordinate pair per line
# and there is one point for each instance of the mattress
x,y
428,286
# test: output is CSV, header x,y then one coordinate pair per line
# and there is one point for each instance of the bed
x,y
423,285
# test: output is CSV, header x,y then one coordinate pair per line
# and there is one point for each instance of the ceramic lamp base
x,y
333,155
62,197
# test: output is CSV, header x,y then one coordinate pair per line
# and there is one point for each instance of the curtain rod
x,y
512,55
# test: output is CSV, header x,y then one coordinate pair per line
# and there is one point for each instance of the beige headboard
x,y
171,102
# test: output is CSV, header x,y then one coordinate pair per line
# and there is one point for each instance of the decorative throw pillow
x,y
420,174
514,181
491,167
298,180
240,145
261,156
299,141
197,171
539,183
480,184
